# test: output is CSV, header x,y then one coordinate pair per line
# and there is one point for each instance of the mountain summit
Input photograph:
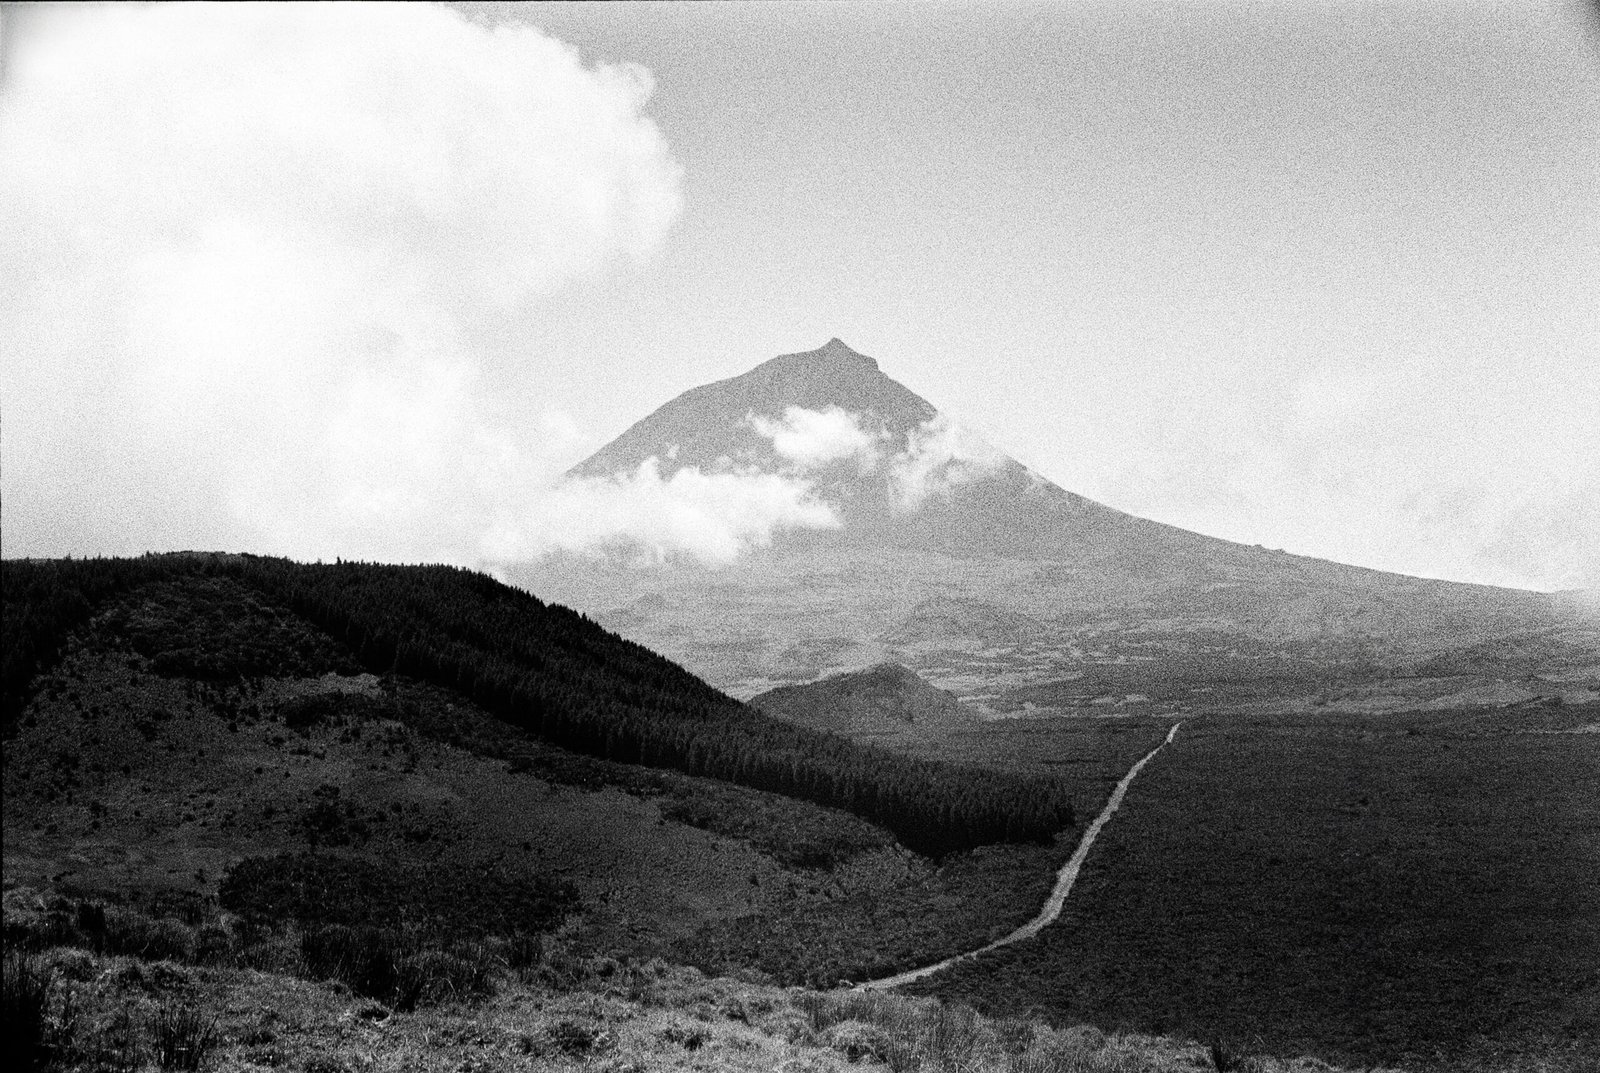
x,y
711,427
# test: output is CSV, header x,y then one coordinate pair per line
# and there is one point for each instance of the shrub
x,y
689,1037
92,925
954,1035
116,1046
572,1038
1224,1059
856,1041
213,944
1073,1051
41,931
183,1039
437,976
130,932
524,951
366,959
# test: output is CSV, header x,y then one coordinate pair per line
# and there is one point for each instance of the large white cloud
x,y
813,438
711,517
939,455
241,248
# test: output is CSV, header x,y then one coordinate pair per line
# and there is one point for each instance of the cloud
x,y
939,455
1371,467
241,248
711,517
810,439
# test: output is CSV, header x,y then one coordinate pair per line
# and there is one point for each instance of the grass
x,y
603,1016
1417,889
181,1037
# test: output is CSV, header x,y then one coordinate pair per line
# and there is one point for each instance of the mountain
x,y
920,481
984,577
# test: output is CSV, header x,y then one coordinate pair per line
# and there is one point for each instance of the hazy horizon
x,y
364,281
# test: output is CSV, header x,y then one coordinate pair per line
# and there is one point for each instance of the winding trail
x,y
1058,896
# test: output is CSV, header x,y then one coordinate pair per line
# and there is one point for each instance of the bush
x,y
575,1039
689,1037
213,944
42,931
857,1041
366,959
524,951
1224,1059
116,1046
389,965
92,925
183,1039
130,932
437,976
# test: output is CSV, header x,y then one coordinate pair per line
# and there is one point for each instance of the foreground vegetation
x,y
81,994
546,670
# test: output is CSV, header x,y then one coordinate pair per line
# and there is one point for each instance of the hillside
x,y
886,701
186,735
546,671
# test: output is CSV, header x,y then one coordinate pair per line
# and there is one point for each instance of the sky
x,y
363,281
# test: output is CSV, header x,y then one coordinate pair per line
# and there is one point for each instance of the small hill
x,y
886,701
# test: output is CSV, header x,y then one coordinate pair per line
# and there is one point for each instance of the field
x,y
1420,889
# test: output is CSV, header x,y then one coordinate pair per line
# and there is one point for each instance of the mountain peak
x,y
710,425
833,356
837,349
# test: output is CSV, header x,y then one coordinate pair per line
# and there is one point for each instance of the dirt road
x,y
1058,896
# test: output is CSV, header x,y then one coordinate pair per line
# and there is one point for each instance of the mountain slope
x,y
969,497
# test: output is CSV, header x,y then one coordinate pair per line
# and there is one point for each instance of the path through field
x,y
1058,896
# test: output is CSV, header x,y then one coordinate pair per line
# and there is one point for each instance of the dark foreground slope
x,y
189,735
554,674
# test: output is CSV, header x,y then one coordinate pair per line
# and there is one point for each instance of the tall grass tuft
x,y
183,1039
1224,1059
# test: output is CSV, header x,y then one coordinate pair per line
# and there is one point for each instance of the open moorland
x,y
1419,889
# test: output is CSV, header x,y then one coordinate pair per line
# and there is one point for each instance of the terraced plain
x,y
1418,889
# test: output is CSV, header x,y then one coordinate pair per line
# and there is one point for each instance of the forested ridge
x,y
558,676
